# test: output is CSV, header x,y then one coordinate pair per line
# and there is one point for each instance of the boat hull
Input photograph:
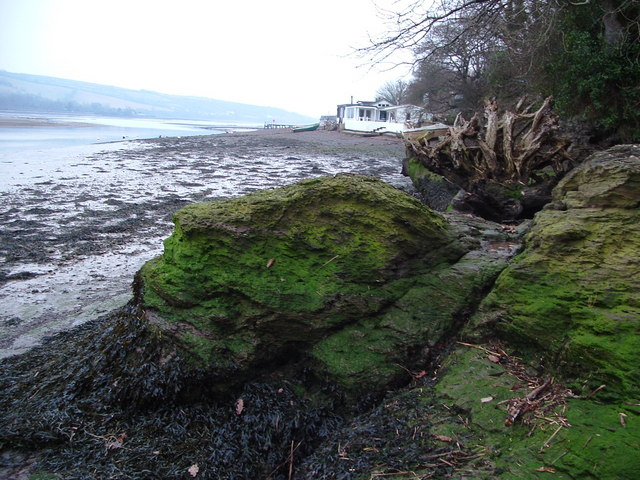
x,y
306,128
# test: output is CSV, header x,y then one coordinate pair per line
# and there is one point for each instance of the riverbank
x,y
72,237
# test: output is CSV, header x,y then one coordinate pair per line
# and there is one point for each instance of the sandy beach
x,y
72,239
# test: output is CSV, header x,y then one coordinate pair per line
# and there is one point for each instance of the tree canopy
x,y
584,53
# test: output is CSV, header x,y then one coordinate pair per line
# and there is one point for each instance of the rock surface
x,y
574,294
348,268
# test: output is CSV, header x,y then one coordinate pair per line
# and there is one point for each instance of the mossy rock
x,y
574,293
436,191
254,281
366,356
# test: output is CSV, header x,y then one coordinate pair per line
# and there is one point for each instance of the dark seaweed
x,y
110,400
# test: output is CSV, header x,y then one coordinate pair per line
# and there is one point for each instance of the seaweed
x,y
97,403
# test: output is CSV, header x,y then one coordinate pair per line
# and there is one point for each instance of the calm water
x,y
61,131
35,152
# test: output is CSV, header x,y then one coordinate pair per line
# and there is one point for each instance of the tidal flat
x,y
72,237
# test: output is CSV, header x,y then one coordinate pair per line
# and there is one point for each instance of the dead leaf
x,y
193,470
271,262
494,358
239,406
117,443
546,469
623,419
486,399
419,375
444,438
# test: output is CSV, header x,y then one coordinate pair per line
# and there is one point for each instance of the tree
x,y
394,92
585,52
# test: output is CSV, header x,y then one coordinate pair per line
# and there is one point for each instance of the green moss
x,y
462,421
375,350
200,347
285,253
595,445
573,295
291,265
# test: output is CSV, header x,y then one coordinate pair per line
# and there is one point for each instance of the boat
x,y
306,128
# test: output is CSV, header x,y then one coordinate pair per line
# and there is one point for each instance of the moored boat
x,y
306,128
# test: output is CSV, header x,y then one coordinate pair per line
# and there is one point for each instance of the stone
x,y
573,295
609,179
436,191
247,283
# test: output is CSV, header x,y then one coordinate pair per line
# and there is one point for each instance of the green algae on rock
x,y
436,191
246,280
366,356
574,293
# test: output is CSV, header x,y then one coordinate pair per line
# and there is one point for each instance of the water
x,y
39,150
52,131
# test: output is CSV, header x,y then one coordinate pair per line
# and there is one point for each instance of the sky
x,y
291,54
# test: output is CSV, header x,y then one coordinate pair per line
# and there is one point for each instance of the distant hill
x,y
34,93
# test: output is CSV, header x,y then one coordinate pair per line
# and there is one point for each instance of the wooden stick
x,y
546,444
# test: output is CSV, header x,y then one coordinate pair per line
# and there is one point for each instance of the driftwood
x,y
500,156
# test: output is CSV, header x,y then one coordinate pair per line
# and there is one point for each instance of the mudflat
x,y
71,241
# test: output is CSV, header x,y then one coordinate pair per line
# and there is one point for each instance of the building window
x,y
364,114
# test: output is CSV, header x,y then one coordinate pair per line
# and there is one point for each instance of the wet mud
x,y
71,242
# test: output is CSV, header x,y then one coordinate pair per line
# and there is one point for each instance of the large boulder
x,y
252,282
574,294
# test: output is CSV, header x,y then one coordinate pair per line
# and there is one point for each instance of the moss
x,y
198,346
253,275
594,445
598,444
290,250
461,420
573,294
376,350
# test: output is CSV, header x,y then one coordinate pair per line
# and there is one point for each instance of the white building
x,y
380,116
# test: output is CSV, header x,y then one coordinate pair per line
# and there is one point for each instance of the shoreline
x,y
35,122
70,243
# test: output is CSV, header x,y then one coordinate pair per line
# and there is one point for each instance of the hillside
x,y
30,93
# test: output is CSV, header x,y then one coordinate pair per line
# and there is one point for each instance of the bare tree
x,y
394,92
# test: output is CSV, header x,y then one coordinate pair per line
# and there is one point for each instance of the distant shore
x,y
26,122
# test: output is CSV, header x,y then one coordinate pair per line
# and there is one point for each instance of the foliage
x,y
603,85
587,54
393,92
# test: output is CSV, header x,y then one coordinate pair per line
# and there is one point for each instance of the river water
x,y
77,221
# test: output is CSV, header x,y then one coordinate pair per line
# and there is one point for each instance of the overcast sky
x,y
292,54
